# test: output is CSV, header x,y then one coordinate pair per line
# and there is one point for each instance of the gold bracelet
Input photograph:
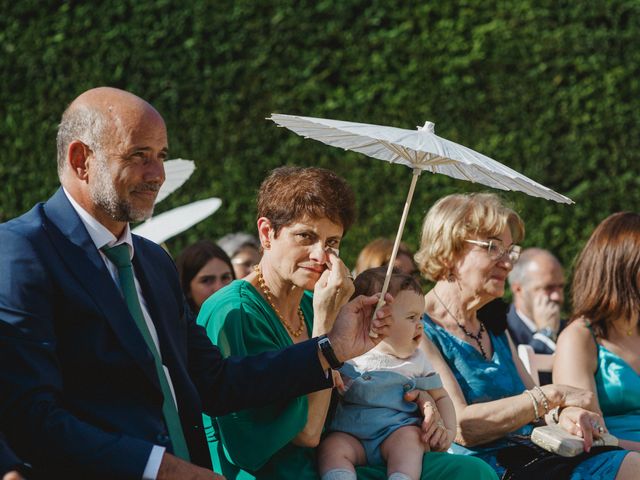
x,y
535,406
545,400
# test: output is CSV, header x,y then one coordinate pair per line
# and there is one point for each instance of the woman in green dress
x,y
293,294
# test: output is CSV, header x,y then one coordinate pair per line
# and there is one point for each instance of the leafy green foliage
x,y
548,88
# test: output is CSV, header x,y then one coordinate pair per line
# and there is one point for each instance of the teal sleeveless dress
x,y
485,380
618,388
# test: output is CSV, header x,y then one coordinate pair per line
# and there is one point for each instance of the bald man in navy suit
x,y
100,380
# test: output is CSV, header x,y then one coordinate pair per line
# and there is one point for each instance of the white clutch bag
x,y
557,440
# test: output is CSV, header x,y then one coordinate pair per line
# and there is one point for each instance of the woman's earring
x,y
267,245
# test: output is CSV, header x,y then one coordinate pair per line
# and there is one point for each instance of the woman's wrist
x,y
321,325
542,398
534,403
553,395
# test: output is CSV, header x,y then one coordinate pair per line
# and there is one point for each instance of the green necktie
x,y
119,255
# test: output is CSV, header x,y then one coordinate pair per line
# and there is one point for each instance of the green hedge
x,y
549,88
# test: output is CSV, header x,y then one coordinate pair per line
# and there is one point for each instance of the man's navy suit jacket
x,y
521,334
8,459
79,394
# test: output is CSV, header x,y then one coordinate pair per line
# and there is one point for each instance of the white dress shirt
x,y
531,325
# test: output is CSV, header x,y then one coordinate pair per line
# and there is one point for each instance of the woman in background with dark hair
x,y
204,268
600,349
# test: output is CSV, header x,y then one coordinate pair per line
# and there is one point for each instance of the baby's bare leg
x,y
340,453
403,452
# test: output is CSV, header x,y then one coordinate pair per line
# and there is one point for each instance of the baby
x,y
373,424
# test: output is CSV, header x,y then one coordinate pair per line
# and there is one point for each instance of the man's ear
x,y
77,156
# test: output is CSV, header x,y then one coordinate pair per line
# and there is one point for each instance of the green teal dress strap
x,y
618,388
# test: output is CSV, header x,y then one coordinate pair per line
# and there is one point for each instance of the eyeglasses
x,y
496,250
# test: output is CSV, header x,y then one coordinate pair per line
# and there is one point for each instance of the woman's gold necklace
x,y
477,338
269,297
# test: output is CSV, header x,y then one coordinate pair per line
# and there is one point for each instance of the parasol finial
x,y
428,127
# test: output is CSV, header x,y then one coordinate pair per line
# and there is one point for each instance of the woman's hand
x,y
583,423
567,396
434,433
333,289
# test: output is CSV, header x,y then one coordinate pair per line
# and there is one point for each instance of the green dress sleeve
x,y
241,323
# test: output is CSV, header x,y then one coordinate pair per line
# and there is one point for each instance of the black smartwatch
x,y
327,350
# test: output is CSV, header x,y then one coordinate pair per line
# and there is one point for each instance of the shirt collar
x,y
531,325
100,235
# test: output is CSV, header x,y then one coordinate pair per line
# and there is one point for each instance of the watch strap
x,y
327,350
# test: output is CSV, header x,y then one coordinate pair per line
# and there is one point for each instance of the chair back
x,y
535,362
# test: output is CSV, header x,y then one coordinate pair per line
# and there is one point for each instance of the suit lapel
x,y
83,261
156,293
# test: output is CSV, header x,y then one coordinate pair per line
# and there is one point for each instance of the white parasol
x,y
419,150
177,171
168,224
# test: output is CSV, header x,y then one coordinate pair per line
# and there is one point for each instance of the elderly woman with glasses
x,y
468,247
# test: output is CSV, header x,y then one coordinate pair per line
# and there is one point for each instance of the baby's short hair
x,y
371,281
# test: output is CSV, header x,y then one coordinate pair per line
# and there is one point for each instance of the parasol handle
x,y
396,245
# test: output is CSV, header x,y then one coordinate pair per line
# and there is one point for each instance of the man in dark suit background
x,y
104,373
537,284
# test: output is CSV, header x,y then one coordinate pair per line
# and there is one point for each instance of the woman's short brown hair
x,y
606,279
289,194
456,218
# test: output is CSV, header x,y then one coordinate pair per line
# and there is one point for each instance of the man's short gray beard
x,y
104,195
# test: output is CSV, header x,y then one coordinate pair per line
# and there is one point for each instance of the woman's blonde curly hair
x,y
459,217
